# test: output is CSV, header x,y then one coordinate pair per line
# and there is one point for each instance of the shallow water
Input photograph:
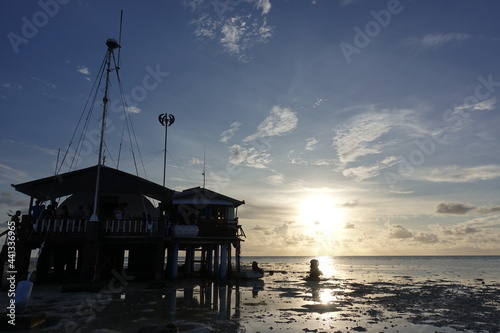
x,y
360,294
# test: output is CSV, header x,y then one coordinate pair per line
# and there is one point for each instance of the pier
x,y
196,224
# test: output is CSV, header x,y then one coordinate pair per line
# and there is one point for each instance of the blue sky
x,y
348,127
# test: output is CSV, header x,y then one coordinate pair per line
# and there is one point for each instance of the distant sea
x,y
461,269
464,269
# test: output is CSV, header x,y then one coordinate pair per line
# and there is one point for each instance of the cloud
x,y
488,209
236,27
83,70
265,5
398,231
281,121
133,109
248,156
45,83
319,102
455,174
365,172
13,174
350,204
458,230
349,225
311,143
426,237
232,32
360,137
16,86
228,134
239,34
436,40
195,162
488,104
453,208
276,179
12,200
317,162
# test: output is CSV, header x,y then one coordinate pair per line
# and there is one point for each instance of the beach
x,y
355,294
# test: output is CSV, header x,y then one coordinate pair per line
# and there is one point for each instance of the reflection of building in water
x,y
206,303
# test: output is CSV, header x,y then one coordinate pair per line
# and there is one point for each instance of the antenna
x,y
204,177
120,39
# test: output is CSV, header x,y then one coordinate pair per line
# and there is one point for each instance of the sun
x,y
321,214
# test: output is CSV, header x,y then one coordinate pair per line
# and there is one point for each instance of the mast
x,y
203,173
166,120
112,44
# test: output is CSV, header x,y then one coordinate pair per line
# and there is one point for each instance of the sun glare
x,y
320,214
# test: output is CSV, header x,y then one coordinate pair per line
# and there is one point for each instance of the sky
x,y
349,127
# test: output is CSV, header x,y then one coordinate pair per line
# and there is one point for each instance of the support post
x,y
188,261
216,260
223,261
173,257
210,260
238,257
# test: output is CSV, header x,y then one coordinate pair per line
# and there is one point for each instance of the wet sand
x,y
283,301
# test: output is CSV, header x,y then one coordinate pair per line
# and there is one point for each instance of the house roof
x,y
203,196
84,180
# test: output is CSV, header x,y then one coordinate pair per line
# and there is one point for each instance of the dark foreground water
x,y
357,294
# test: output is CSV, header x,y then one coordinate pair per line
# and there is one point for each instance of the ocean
x,y
372,268
410,294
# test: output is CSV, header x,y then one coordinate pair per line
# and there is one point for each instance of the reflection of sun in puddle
x,y
327,296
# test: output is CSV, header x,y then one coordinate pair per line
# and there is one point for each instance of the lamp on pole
x,y
166,120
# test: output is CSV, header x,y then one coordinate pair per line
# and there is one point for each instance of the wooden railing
x,y
59,226
131,227
138,227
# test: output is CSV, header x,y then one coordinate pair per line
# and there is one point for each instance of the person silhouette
x,y
315,273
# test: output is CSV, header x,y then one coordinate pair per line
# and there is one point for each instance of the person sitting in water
x,y
315,273
256,268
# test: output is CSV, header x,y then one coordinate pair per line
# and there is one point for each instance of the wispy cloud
x,y
43,82
236,27
195,162
16,86
265,5
228,134
44,150
488,104
435,40
456,174
488,209
133,109
317,162
83,69
311,143
360,137
349,225
365,172
253,151
281,121
12,200
13,174
249,156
